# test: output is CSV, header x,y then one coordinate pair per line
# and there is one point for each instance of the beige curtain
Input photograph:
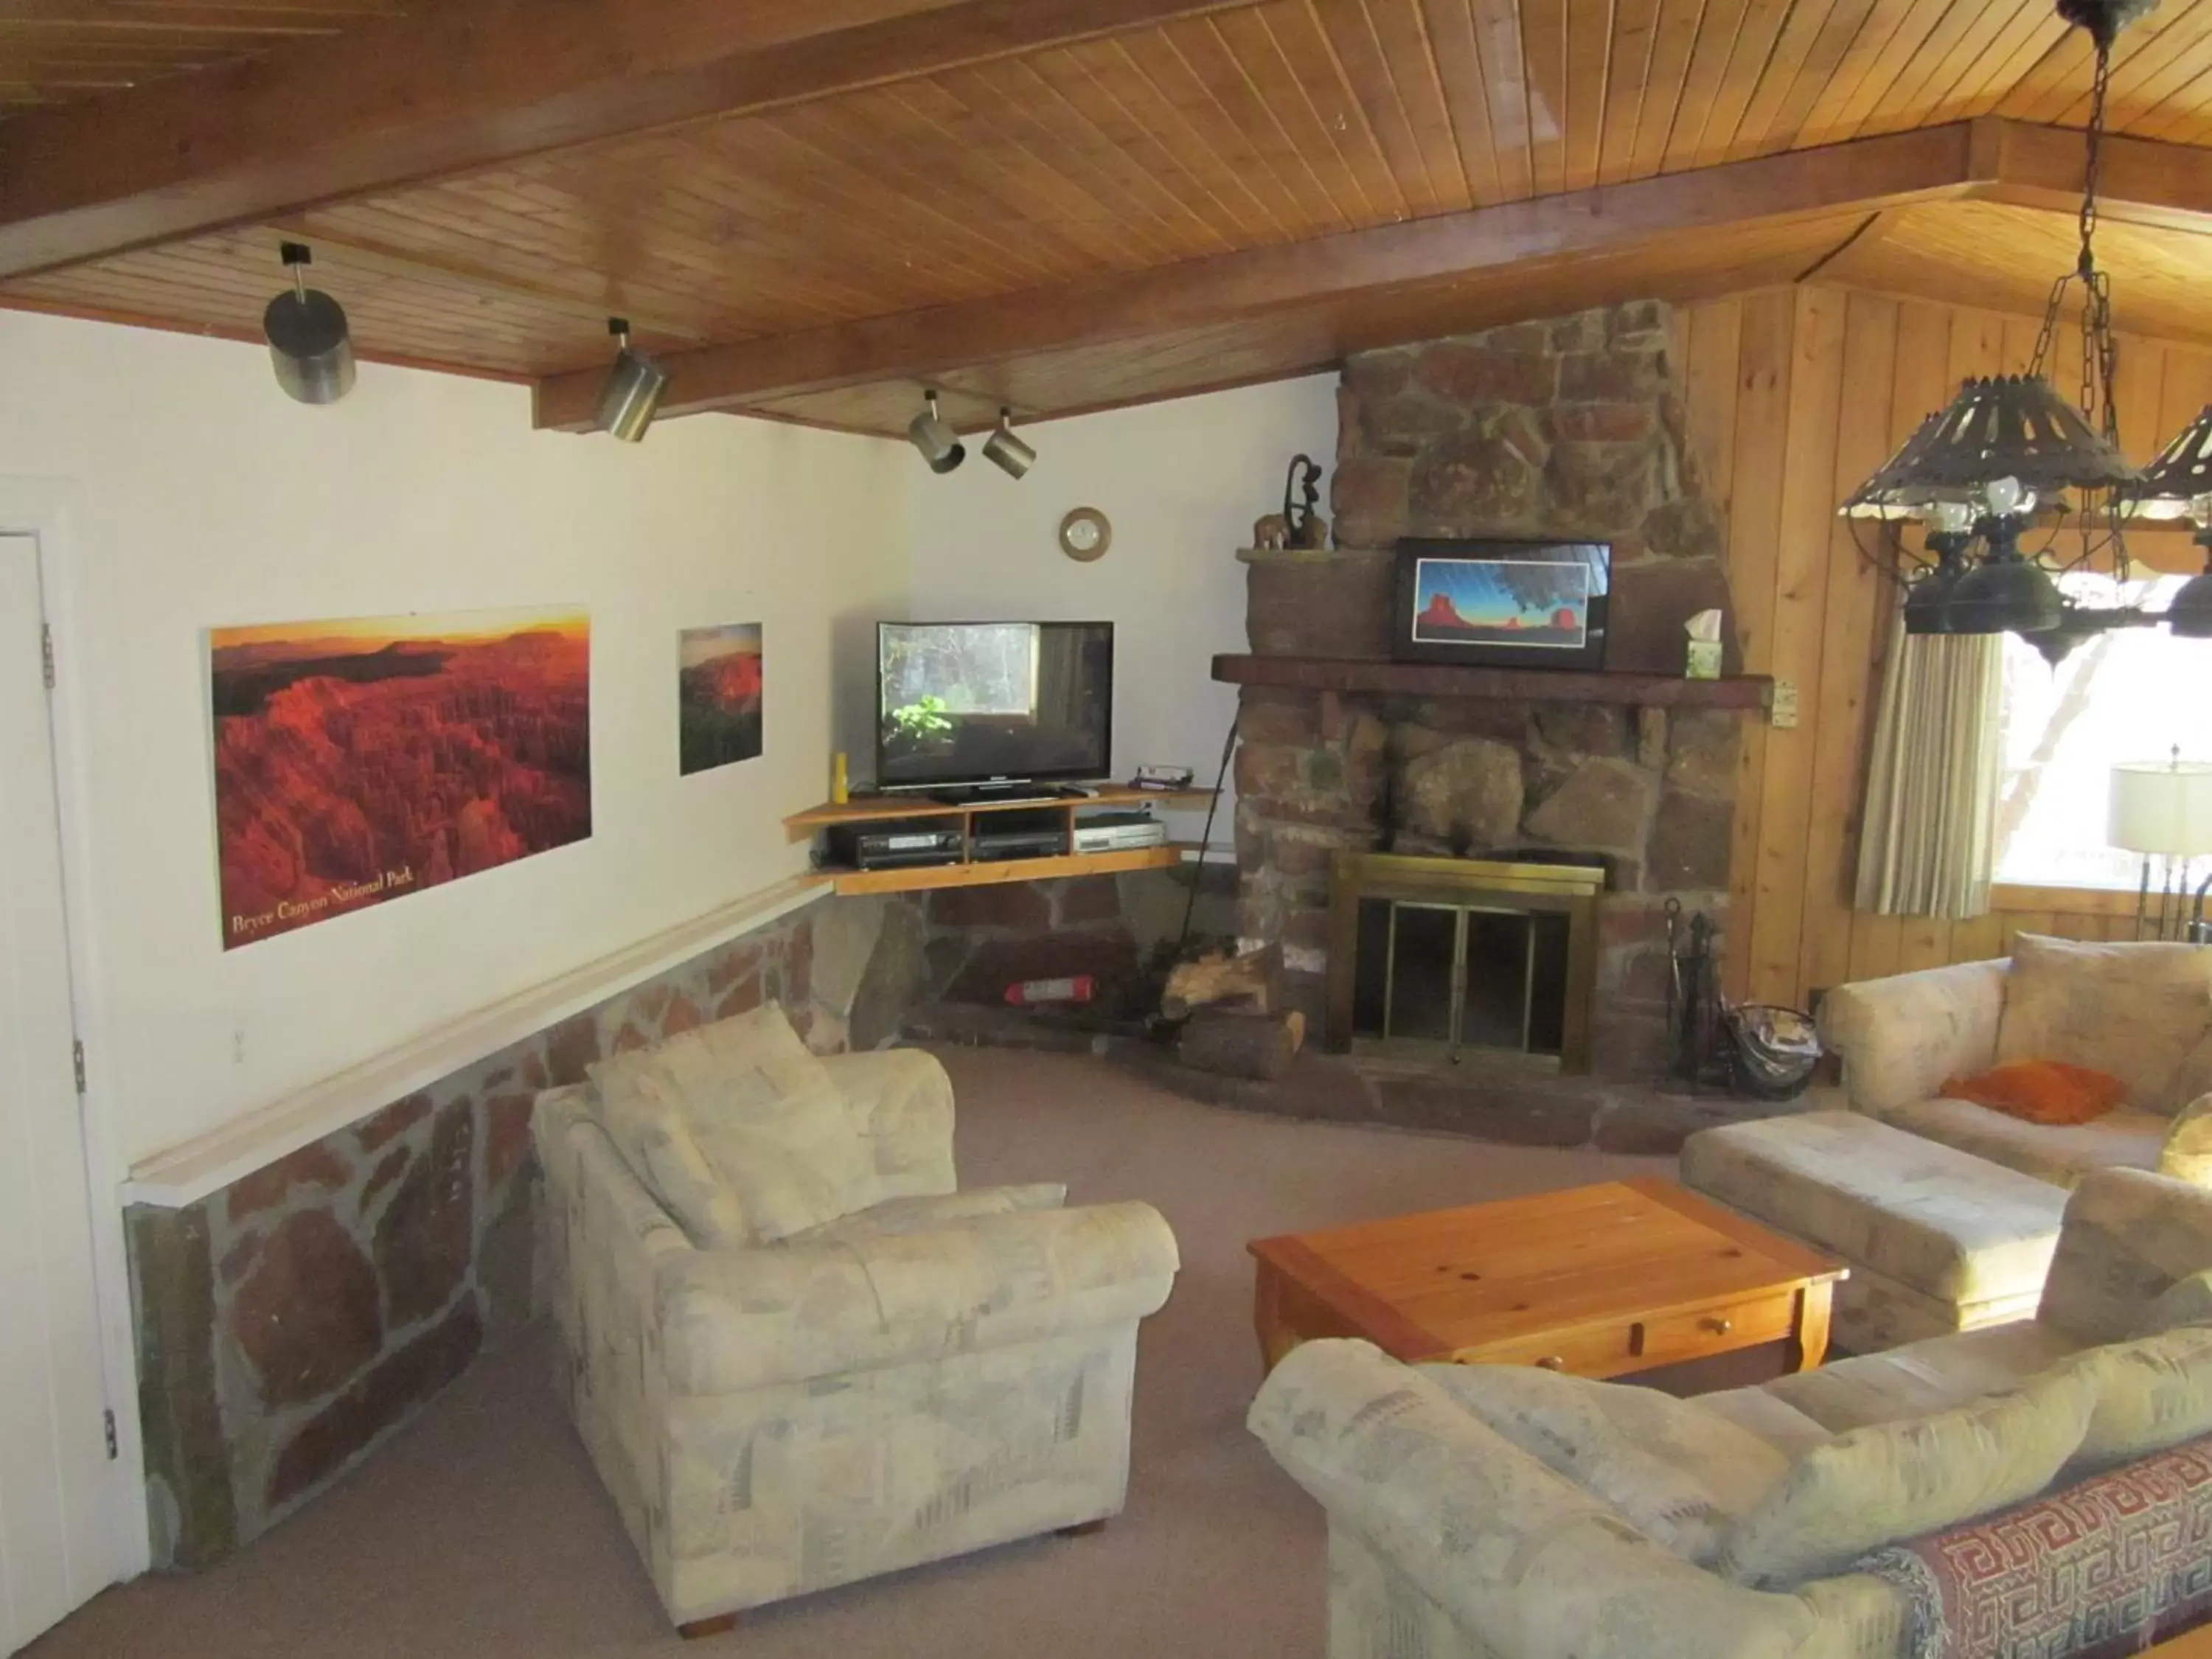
x,y
1927,844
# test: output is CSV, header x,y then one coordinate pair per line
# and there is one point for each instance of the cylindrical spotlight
x,y
1007,452
631,396
309,343
940,444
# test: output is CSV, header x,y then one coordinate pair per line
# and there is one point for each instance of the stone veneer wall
x,y
983,938
1571,428
980,939
291,1321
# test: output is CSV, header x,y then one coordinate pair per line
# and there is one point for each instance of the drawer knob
x,y
1718,1327
1551,1362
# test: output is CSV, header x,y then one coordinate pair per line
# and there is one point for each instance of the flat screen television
x,y
993,705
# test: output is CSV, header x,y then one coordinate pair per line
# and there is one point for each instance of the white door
x,y
53,1442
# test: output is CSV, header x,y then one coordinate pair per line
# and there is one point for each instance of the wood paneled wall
x,y
1795,395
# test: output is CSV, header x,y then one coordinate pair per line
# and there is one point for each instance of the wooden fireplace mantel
x,y
1421,680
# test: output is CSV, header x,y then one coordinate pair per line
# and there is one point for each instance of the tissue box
x,y
1705,662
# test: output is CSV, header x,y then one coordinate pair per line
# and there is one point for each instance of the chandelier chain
x,y
2099,357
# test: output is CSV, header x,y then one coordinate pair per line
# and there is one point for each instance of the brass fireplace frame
x,y
1568,890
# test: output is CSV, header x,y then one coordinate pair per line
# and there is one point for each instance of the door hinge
x,y
47,653
107,1419
76,1063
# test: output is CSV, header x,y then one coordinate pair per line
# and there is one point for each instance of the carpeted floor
x,y
481,1531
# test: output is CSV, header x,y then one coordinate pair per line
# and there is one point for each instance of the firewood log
x,y
1240,1041
1248,980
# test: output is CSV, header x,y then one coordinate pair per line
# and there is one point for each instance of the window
x,y
2132,694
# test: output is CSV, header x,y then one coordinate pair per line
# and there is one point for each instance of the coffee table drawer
x,y
1592,1351
1719,1330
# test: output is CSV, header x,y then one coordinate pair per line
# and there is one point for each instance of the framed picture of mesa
x,y
1502,604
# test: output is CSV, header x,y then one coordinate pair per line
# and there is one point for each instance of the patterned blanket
x,y
2104,1568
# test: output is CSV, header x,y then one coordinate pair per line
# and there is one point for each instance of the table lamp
x,y
2162,810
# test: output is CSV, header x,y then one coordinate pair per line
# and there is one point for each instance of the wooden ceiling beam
x,y
2139,180
471,84
1864,175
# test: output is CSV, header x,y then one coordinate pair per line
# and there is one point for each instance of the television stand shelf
x,y
884,809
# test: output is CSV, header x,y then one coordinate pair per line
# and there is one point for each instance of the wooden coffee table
x,y
1595,1280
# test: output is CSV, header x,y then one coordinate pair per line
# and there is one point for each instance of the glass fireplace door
x,y
1429,957
1454,976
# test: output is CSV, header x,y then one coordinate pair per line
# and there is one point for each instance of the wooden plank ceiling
x,y
54,51
1256,127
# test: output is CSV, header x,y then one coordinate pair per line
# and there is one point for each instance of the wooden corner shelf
x,y
970,872
1750,692
883,809
996,871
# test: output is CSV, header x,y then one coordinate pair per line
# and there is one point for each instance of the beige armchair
x,y
2142,1011
779,1408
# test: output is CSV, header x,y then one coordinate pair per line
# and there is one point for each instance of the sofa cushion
x,y
655,1140
2048,1091
2060,1154
1676,1471
2153,1392
2128,1257
1924,1378
1891,1481
1924,1215
896,1216
765,1113
1777,1422
2133,1010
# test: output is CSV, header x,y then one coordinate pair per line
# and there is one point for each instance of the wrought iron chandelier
x,y
2001,458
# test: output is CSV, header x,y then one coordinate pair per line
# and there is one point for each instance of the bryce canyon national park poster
x,y
718,696
362,760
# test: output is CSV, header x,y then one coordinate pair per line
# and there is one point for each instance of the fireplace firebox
x,y
1435,958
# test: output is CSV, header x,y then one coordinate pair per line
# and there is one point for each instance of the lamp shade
x,y
631,395
2004,594
1897,490
2189,613
310,345
2161,806
2179,477
2009,426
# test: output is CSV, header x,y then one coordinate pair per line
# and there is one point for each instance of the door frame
x,y
47,510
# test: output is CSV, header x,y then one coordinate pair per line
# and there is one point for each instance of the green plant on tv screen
x,y
921,717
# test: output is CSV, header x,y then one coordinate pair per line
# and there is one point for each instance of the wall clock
x,y
1085,535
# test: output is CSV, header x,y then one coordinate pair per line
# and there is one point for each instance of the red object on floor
x,y
1027,993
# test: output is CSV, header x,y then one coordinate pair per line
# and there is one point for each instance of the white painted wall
x,y
201,497
1182,482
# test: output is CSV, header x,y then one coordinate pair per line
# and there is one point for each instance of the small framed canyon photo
x,y
1502,605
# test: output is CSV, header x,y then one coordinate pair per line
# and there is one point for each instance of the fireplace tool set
x,y
1745,1048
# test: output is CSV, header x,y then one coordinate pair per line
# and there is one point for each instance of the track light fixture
x,y
1004,451
309,343
631,396
940,444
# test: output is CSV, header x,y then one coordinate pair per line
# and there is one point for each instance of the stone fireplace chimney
x,y
1572,429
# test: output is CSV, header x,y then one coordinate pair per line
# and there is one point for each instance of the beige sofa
x,y
1483,1512
2141,1011
797,1355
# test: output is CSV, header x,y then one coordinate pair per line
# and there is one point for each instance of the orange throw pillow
x,y
2042,1091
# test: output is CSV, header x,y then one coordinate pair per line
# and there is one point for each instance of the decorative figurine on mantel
x,y
1298,524
1308,529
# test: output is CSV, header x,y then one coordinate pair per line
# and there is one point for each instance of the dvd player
x,y
1091,837
992,845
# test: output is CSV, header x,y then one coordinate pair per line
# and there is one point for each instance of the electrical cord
x,y
1206,839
